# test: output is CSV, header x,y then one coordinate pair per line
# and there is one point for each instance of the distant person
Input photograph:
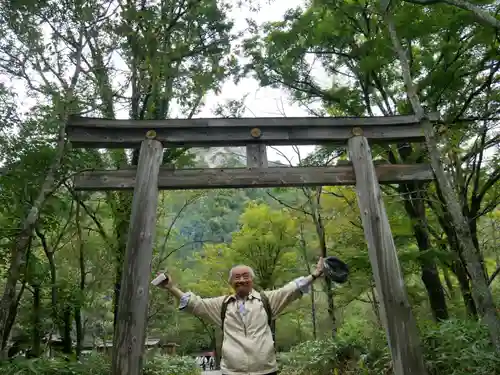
x,y
212,363
245,317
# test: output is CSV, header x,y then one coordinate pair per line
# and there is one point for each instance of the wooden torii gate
x,y
151,136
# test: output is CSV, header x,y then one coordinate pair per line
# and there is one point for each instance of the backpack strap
x,y
223,311
267,307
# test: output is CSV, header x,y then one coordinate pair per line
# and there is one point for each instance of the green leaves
x,y
266,242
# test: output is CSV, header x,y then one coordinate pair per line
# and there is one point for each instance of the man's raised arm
x,y
280,298
208,308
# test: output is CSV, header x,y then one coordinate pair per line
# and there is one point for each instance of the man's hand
x,y
167,283
319,268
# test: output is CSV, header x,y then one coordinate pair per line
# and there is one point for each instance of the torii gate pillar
x,y
130,332
395,309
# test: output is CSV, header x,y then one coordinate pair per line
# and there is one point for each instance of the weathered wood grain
x,y
130,333
170,179
395,309
90,137
257,156
249,122
102,133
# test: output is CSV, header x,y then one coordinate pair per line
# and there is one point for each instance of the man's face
x,y
241,281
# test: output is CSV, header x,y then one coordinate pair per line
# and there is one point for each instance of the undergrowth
x,y
451,348
97,364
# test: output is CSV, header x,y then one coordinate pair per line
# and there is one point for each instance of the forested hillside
x,y
62,250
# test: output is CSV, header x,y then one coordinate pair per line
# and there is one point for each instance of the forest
x,y
62,250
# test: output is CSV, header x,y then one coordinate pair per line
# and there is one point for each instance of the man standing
x,y
245,316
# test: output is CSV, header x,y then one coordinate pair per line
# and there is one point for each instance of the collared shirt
x,y
248,347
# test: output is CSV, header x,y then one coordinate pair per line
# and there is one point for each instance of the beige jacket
x,y
248,347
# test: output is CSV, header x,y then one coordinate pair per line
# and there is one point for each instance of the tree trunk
x,y
463,281
13,309
480,290
12,316
53,287
328,285
79,331
313,312
67,327
435,291
475,240
61,312
457,265
494,235
80,301
218,347
37,337
447,280
458,268
8,301
415,208
494,275
303,247
315,204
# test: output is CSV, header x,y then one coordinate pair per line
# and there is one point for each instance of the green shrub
x,y
96,364
171,365
320,357
92,365
459,348
451,348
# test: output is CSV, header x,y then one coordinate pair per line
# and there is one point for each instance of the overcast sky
x,y
261,101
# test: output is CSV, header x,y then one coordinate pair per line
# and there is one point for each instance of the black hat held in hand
x,y
336,270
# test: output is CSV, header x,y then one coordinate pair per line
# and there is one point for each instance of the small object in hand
x,y
159,279
336,270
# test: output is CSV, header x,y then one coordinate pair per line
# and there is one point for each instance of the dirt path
x,y
215,372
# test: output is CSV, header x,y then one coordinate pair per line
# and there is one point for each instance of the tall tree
x,y
25,55
481,292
